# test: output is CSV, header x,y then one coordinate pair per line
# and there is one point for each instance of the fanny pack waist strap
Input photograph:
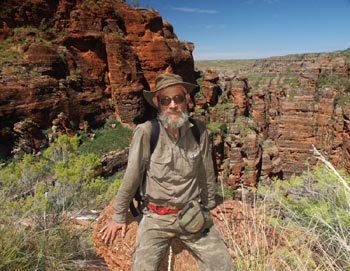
x,y
163,210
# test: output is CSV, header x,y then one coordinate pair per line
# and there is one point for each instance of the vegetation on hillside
x,y
40,196
233,65
313,210
243,65
308,217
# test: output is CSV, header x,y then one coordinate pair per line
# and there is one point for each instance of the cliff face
x,y
91,60
88,59
71,64
277,109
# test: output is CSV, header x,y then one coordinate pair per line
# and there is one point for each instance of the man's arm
x,y
133,175
131,181
208,170
209,191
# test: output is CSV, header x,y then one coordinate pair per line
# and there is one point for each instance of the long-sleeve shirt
x,y
177,171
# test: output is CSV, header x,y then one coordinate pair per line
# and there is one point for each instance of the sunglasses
x,y
166,100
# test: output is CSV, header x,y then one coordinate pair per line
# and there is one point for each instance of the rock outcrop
x,y
68,65
88,59
277,110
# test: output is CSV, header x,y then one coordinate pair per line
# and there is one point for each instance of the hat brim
x,y
150,94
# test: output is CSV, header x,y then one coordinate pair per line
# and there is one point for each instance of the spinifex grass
x,y
298,224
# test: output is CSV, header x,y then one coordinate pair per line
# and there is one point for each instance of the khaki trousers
x,y
153,238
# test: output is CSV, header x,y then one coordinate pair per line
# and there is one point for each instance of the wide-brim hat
x,y
166,80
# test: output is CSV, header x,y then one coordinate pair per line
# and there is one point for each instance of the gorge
x,y
70,65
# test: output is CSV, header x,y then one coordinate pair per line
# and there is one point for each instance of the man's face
x,y
172,103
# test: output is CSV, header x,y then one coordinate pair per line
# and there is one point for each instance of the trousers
x,y
153,239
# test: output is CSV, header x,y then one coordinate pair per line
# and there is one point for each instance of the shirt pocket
x,y
190,163
161,164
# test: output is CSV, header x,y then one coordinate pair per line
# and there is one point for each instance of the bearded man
x,y
179,187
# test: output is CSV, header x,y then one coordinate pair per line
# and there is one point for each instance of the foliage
x,y
246,125
232,64
12,53
346,54
113,136
135,3
33,249
331,79
216,128
341,99
317,205
114,182
38,198
222,108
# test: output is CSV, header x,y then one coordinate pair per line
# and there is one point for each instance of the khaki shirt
x,y
177,171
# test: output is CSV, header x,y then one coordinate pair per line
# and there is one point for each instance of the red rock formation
x,y
61,126
240,95
5,31
301,101
30,137
210,88
88,59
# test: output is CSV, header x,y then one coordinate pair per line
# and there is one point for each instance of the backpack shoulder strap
x,y
154,135
195,130
136,211
197,135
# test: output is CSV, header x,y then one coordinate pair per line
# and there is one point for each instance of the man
x,y
178,171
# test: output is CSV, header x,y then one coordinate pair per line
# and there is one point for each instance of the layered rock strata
x,y
279,110
90,60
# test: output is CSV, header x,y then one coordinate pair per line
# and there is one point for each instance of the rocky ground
x,y
239,229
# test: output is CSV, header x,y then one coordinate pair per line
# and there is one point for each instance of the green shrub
x,y
222,108
317,205
113,136
341,99
217,128
56,248
38,198
246,125
331,79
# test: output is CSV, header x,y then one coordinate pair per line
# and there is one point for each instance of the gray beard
x,y
167,124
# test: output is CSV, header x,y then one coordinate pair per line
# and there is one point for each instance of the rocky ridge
x,y
275,110
90,60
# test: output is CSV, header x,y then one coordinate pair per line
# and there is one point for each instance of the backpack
x,y
137,211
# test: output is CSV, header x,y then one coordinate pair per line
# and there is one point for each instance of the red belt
x,y
162,210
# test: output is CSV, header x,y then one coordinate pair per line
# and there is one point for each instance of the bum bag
x,y
195,217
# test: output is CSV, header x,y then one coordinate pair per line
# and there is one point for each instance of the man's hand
x,y
220,210
216,213
110,231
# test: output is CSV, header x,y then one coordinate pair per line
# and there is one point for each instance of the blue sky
x,y
245,29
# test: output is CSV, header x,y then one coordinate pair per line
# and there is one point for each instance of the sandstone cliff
x,y
275,109
88,59
71,65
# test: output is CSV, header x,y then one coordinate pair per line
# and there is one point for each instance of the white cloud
x,y
196,10
209,26
271,1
